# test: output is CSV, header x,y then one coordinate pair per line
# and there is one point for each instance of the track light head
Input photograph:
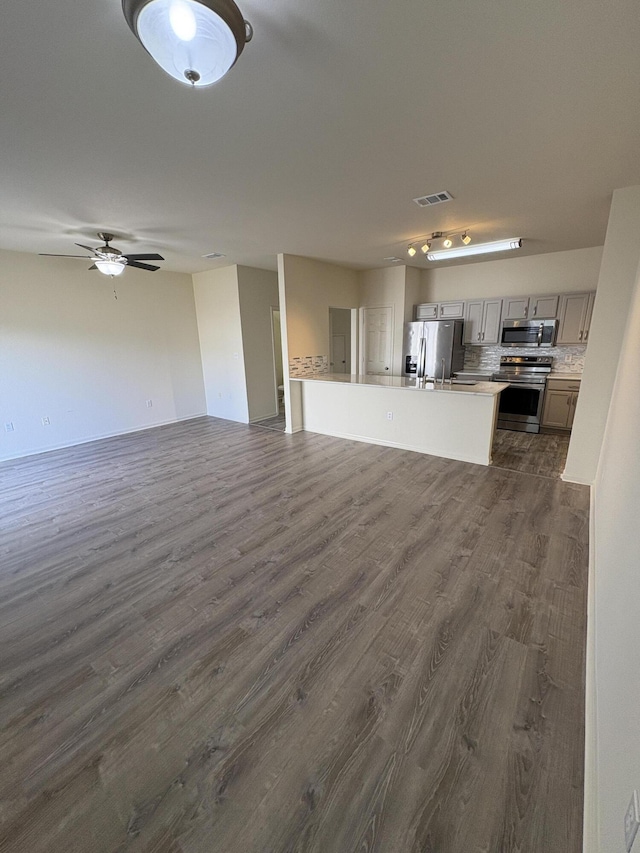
x,y
447,242
425,247
466,239
411,251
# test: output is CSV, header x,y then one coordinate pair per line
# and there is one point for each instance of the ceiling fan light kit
x,y
195,41
110,261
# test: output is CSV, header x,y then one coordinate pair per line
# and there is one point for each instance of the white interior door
x,y
378,340
338,354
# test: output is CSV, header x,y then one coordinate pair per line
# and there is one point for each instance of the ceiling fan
x,y
109,260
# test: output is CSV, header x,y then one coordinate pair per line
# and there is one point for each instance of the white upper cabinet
x,y
575,318
516,308
543,307
427,311
530,308
453,310
482,322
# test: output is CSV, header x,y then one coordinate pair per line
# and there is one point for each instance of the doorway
x,y
340,340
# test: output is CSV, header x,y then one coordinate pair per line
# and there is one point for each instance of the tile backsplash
x,y
488,358
308,365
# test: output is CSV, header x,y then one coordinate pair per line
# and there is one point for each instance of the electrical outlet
x,y
149,404
46,421
389,416
568,358
631,821
8,427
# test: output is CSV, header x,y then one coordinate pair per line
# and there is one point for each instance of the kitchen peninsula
x,y
455,421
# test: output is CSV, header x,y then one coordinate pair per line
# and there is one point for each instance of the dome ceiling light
x,y
195,41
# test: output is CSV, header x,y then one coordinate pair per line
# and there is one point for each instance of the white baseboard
x,y
98,437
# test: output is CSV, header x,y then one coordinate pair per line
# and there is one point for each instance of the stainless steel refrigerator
x,y
433,349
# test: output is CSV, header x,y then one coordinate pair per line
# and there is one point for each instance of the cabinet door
x,y
573,315
491,321
516,308
451,311
428,311
587,322
473,323
557,408
544,307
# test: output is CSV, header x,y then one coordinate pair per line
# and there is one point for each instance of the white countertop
x,y
559,375
487,389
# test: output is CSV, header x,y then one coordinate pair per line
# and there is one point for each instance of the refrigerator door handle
x,y
421,358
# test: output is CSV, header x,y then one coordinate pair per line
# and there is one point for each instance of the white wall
x,y
558,272
615,288
616,594
258,293
218,310
71,352
380,288
307,290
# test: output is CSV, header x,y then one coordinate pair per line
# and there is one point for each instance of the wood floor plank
x,y
219,638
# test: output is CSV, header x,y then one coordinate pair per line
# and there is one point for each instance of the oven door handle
x,y
533,386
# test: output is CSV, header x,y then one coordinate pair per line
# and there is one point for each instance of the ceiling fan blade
x,y
140,266
88,248
49,255
151,257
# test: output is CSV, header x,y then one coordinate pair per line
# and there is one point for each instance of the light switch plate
x,y
631,821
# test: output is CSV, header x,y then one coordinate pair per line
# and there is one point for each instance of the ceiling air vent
x,y
434,198
212,256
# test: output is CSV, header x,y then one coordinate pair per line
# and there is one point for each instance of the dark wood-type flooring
x,y
531,453
220,639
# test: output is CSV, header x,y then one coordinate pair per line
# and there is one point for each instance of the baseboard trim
x,y
99,437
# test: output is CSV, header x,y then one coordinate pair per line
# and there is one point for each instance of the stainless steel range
x,y
521,403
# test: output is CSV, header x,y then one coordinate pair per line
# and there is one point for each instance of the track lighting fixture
x,y
466,239
425,247
447,242
411,251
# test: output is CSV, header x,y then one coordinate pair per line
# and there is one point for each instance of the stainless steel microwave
x,y
529,333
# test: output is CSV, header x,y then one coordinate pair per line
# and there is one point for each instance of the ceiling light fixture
x,y
411,251
447,242
425,248
111,266
195,41
466,239
477,249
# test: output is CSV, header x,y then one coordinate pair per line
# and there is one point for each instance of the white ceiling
x,y
335,117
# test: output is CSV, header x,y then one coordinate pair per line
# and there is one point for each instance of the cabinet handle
x,y
478,335
569,400
535,311
483,336
580,336
442,309
586,334
526,311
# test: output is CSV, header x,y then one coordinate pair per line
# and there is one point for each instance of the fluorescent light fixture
x,y
111,267
195,41
477,249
